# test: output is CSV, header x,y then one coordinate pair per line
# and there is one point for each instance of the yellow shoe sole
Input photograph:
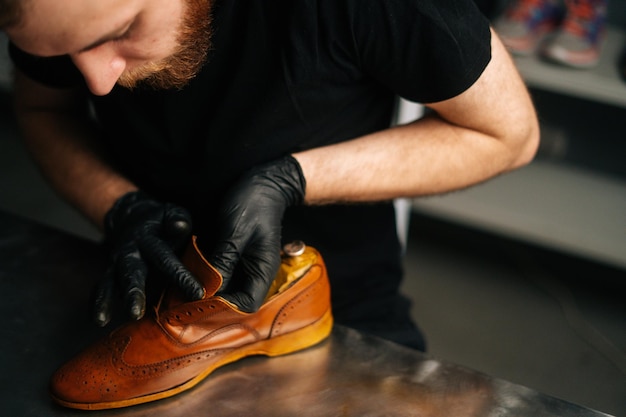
x,y
276,346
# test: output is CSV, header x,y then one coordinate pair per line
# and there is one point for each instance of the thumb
x,y
252,286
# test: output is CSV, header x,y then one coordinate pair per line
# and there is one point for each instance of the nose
x,y
101,68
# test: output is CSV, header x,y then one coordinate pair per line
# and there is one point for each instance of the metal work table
x,y
45,281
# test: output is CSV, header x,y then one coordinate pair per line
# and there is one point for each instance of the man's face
x,y
162,43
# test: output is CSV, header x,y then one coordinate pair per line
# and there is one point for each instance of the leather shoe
x,y
180,343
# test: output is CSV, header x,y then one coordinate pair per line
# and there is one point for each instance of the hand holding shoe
x,y
250,229
143,232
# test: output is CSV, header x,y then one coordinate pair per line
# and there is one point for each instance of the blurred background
x,y
523,277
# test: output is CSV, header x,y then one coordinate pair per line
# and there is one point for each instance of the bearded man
x,y
249,123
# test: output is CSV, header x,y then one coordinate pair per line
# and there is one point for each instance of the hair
x,y
10,12
177,70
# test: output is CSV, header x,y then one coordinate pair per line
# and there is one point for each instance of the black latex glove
x,y
250,230
143,233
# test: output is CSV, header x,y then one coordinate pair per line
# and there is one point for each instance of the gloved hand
x,y
250,230
143,232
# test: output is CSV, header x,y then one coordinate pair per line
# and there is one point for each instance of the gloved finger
x,y
103,298
242,300
131,272
161,256
176,226
257,276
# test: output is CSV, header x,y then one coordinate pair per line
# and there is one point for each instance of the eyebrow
x,y
114,34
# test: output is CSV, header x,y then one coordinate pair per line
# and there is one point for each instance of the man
x,y
266,121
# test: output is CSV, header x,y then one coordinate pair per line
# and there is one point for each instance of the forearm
x,y
62,143
426,157
72,167
487,130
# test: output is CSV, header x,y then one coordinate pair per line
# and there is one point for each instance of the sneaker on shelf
x,y
526,23
579,40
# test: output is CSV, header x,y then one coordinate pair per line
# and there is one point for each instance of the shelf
x,y
555,206
602,83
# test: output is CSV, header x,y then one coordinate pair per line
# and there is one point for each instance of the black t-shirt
x,y
285,76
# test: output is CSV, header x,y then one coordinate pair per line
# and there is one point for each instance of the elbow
x,y
528,151
526,144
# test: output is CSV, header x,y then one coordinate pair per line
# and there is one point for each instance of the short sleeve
x,y
425,51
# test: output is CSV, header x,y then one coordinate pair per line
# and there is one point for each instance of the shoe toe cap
x,y
87,378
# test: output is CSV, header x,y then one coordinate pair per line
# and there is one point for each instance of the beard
x,y
175,71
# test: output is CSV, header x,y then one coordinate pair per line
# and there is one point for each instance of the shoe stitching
x,y
284,312
123,368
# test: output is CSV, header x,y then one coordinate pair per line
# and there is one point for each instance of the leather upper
x,y
181,340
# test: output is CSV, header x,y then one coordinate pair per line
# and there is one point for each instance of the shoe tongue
x,y
197,264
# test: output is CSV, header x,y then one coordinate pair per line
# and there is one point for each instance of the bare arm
x,y
57,131
489,129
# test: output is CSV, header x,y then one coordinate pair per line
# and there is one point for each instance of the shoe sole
x,y
582,60
277,346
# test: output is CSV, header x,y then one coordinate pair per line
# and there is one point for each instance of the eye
x,y
127,32
124,36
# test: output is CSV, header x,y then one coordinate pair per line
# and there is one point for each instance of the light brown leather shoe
x,y
181,343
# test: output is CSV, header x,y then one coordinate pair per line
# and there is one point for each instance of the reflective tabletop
x,y
46,278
